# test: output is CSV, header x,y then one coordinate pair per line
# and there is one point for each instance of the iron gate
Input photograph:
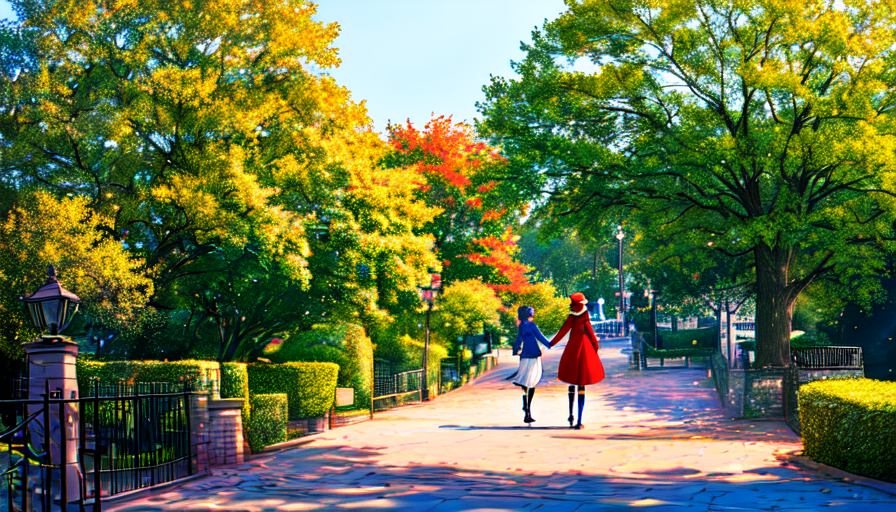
x,y
128,437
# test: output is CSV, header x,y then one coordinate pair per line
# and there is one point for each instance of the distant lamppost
x,y
428,294
619,236
51,376
653,294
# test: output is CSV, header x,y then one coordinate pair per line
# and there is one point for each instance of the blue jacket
x,y
526,336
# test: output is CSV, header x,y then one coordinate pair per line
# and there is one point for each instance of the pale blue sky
x,y
409,58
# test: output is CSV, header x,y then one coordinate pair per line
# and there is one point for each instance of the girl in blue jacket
x,y
526,346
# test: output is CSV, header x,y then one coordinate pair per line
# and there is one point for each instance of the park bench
x,y
642,351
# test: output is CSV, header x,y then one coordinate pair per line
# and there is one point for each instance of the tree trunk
x,y
774,307
674,323
594,266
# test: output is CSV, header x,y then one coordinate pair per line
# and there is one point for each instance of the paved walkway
x,y
656,440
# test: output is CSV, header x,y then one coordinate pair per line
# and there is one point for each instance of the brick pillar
x,y
199,427
53,363
225,431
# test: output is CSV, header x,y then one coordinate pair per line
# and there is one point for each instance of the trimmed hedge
x,y
707,338
309,387
851,424
235,384
143,371
676,352
267,425
234,380
346,345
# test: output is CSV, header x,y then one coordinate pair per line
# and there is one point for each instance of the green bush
x,y
235,384
807,340
406,354
851,424
143,371
343,344
414,351
706,337
550,310
267,425
234,380
675,353
309,387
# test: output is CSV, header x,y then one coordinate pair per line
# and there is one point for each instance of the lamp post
x,y
653,294
51,371
428,293
619,236
52,307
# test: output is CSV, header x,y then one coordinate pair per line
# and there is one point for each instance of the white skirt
x,y
529,373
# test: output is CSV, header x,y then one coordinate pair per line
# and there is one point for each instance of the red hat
x,y
577,301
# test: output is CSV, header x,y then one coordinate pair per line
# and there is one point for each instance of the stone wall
x,y
763,392
767,392
226,432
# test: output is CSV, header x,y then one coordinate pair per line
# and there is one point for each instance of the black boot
x,y
572,400
529,418
579,425
525,404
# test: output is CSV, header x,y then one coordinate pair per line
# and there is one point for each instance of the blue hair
x,y
524,312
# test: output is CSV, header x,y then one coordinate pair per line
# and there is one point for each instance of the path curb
x,y
798,459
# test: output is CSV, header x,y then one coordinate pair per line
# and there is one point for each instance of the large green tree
x,y
760,130
246,181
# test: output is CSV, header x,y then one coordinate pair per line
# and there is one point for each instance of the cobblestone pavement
x,y
656,440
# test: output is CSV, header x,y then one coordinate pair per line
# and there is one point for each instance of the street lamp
x,y
428,293
619,236
52,375
653,295
52,307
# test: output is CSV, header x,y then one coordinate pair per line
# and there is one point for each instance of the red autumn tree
x,y
473,233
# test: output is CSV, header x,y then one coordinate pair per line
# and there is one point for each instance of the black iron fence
x,y
128,437
830,358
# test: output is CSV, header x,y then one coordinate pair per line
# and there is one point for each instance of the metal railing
x,y
389,389
828,357
386,383
128,437
606,327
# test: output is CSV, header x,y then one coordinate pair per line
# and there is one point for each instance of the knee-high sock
x,y
572,400
525,398
529,403
581,402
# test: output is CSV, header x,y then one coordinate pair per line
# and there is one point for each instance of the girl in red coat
x,y
580,365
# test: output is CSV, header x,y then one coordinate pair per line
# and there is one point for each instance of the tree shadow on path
x,y
344,477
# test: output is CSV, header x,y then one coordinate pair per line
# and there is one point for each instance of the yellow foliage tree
x,y
41,230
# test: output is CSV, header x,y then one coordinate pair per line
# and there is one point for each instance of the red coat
x,y
580,363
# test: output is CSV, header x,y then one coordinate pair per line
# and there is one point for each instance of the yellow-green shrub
x,y
267,424
413,359
235,384
343,344
144,371
310,387
851,424
550,309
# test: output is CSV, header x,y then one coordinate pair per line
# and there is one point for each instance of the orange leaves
x,y
444,151
498,252
493,214
487,187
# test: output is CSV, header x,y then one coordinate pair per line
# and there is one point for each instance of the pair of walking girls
x,y
579,365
